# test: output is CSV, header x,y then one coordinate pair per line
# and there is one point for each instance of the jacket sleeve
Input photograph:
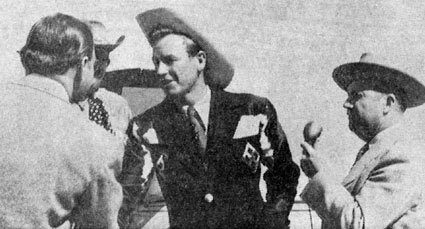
x,y
137,168
100,202
87,191
392,190
282,174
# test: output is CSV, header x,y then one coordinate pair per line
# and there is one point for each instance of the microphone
x,y
312,132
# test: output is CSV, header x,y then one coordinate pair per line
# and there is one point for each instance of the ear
x,y
85,62
201,57
389,103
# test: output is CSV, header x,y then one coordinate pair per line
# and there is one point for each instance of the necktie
x,y
98,114
199,129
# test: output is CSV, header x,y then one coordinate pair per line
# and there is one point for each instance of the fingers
x,y
308,150
306,162
308,168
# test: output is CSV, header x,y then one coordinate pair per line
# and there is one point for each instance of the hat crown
x,y
102,36
382,60
367,57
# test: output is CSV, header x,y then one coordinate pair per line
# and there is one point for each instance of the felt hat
x,y
218,72
102,38
382,70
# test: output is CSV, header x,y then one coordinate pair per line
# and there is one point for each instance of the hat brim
x,y
219,71
111,47
414,91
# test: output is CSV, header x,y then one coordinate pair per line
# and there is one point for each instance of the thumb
x,y
308,150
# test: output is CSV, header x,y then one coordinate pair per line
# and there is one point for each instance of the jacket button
x,y
208,198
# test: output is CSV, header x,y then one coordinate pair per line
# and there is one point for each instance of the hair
x,y
55,44
192,47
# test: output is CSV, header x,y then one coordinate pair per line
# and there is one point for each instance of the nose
x,y
348,104
162,68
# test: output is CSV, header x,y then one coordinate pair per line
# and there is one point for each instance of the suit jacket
x,y
56,165
228,172
384,188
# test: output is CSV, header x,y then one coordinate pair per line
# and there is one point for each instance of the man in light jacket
x,y
385,186
58,168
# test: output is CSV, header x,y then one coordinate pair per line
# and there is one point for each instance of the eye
x,y
354,96
168,60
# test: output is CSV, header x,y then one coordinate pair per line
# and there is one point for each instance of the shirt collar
x,y
205,101
202,107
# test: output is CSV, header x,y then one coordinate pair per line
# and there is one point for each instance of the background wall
x,y
282,49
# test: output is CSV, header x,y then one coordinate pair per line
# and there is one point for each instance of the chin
x,y
92,90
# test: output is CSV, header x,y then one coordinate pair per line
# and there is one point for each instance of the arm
x,y
132,77
137,168
391,190
100,202
86,190
282,174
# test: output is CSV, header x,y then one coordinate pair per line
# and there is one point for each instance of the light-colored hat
x,y
102,38
219,71
381,70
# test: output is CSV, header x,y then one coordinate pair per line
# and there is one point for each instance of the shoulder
x,y
159,111
239,97
111,98
88,139
407,149
404,158
253,104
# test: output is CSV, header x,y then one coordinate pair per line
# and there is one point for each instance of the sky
x,y
284,50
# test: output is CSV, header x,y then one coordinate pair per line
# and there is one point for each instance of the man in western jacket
x,y
205,143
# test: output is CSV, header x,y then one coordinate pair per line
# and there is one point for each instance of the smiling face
x,y
180,72
365,109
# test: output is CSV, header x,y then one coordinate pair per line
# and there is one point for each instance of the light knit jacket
x,y
57,167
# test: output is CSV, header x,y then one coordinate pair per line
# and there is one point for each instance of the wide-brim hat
x,y
377,69
218,72
102,37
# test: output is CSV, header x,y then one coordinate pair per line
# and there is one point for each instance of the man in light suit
x,y
58,168
385,186
207,144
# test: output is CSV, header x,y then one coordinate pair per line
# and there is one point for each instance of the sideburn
x,y
76,97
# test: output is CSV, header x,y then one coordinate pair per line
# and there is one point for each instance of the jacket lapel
x,y
175,132
221,123
361,170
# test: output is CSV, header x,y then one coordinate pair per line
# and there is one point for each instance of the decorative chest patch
x,y
251,157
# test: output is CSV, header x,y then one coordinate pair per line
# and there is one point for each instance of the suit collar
x,y
379,146
45,85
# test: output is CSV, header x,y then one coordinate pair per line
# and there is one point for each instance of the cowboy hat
x,y
218,73
378,69
101,37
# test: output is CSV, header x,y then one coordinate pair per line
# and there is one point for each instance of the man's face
x,y
364,109
178,70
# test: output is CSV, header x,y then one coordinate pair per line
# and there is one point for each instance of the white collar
x,y
203,107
